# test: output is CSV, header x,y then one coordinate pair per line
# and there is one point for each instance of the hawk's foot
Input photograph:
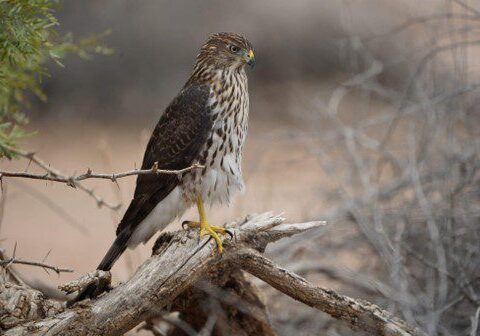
x,y
207,229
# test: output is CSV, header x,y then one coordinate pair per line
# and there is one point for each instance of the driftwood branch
x,y
86,280
55,175
181,261
359,314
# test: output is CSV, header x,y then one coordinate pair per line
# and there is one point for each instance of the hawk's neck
x,y
216,77
228,89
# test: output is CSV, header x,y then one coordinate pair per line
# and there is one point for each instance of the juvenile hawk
x,y
205,123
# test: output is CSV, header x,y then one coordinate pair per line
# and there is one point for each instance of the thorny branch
x,y
58,270
7,262
52,174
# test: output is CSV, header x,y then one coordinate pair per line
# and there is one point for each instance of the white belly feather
x,y
171,207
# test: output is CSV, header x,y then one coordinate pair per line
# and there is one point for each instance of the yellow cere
x,y
250,54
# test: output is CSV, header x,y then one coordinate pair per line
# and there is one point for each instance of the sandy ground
x,y
66,223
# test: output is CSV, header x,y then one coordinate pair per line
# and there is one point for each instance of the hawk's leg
x,y
205,227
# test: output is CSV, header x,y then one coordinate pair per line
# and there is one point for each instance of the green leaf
x,y
28,41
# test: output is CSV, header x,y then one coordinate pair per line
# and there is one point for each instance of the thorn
x,y
14,250
46,256
28,164
10,263
12,259
230,233
71,183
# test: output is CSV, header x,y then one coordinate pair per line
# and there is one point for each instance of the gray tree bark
x,y
184,272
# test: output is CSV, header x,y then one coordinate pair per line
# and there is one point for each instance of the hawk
x,y
206,123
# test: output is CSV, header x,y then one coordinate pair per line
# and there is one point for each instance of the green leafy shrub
x,y
28,41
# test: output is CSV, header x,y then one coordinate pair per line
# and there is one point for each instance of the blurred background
x,y
363,113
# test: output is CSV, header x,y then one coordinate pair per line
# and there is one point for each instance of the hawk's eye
x,y
234,49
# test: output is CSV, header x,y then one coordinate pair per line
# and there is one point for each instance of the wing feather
x,y
175,144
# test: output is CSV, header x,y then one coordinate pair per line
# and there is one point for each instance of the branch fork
x,y
180,264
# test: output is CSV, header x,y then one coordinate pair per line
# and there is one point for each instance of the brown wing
x,y
175,144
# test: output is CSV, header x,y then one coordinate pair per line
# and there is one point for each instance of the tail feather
x,y
114,252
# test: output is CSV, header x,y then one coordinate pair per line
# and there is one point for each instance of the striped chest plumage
x,y
222,153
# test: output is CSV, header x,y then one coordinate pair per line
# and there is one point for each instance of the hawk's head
x,y
224,50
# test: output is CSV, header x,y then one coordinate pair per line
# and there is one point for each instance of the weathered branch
x,y
19,303
86,280
359,314
180,262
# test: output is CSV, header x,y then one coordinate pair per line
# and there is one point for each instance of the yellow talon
x,y
206,228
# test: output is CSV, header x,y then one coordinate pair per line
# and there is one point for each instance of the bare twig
x,y
73,180
475,320
467,7
14,260
413,79
56,269
10,274
52,174
421,20
3,200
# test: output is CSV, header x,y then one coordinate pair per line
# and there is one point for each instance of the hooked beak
x,y
250,58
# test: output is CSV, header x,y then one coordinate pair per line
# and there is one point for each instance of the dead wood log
x,y
19,304
181,263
